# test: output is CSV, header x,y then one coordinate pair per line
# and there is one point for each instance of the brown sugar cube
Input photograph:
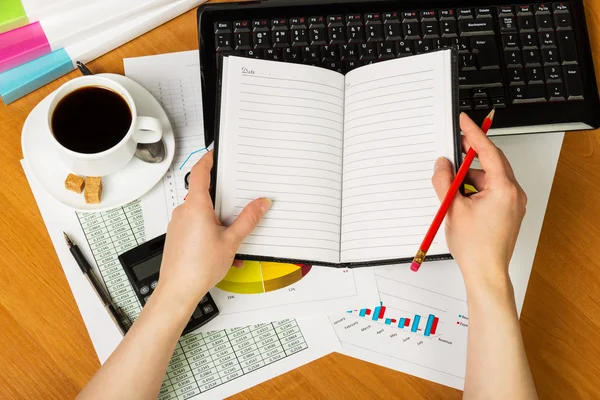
x,y
93,189
74,183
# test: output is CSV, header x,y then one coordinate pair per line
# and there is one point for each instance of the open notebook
x,y
346,160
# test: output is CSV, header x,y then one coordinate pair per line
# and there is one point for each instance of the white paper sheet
x,y
438,288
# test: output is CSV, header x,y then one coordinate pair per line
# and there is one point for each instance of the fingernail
x,y
265,204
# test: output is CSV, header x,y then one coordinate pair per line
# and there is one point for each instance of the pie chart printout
x,y
261,277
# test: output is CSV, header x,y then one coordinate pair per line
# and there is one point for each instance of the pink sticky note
x,y
22,45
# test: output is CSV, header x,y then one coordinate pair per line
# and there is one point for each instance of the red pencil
x,y
441,214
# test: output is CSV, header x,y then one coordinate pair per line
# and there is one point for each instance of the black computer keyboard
x,y
530,61
538,46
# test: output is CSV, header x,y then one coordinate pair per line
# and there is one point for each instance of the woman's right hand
x,y
482,230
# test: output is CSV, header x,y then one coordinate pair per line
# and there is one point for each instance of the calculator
x,y
142,266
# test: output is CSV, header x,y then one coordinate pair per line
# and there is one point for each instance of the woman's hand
x,y
482,229
199,250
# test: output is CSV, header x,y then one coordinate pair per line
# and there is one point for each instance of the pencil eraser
x,y
415,266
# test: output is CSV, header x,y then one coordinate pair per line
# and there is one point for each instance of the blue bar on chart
x,y
429,324
415,324
376,313
362,312
389,321
401,323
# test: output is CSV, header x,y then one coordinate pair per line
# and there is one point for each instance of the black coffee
x,y
91,120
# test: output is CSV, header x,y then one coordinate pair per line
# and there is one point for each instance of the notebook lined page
x,y
397,122
281,138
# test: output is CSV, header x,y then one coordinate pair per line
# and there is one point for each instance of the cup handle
x,y
147,130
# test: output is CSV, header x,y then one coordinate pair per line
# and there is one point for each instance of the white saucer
x,y
129,184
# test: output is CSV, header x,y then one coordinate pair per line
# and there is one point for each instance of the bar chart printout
x,y
378,314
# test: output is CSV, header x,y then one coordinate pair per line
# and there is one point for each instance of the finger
x,y
476,178
248,220
200,179
489,155
443,173
238,263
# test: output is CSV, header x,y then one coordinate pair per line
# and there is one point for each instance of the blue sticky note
x,y
24,79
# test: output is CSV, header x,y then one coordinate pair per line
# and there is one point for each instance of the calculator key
x,y
553,74
562,22
567,48
573,82
153,285
207,309
197,313
145,290
556,91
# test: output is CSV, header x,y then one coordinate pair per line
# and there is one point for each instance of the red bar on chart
x,y
407,322
368,312
434,326
381,312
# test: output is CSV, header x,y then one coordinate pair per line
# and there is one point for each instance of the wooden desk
x,y
45,351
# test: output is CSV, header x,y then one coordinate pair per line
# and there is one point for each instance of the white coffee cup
x,y
142,130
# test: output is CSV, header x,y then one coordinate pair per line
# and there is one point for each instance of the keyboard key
x,y
281,39
386,50
348,52
299,37
443,43
391,18
373,18
336,66
532,58
534,75
513,59
462,44
298,23
409,16
243,41
431,30
515,76
541,9
483,12
447,14
336,35
222,27
405,48
393,31
318,36
499,102
465,105
293,55
474,27
260,26
553,74
529,41
316,22
524,10
567,48
423,46
547,40
563,22
466,62
560,8
544,23
517,94
273,54
253,54
366,51
448,28
556,91
311,54
487,52
261,40
526,24
476,79
223,42
374,33
356,34
330,53
505,11
351,65
465,13
481,104
510,41
479,93
411,30
241,27
279,24
428,16
508,25
573,82
549,57
335,21
354,20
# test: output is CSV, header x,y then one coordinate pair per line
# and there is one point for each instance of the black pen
x,y
86,268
